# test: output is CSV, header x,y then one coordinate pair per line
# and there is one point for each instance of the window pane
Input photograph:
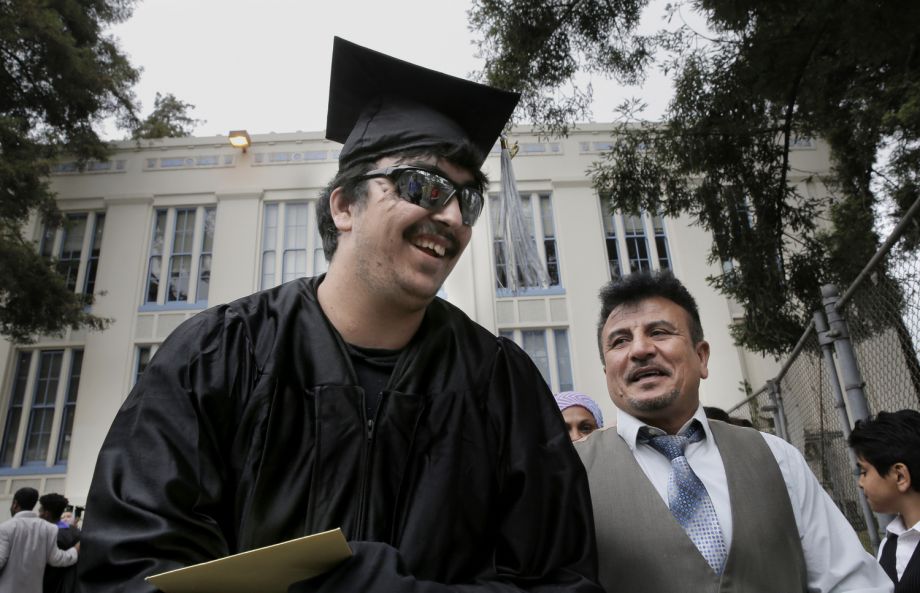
x,y
72,249
143,359
549,240
38,434
636,245
268,269
294,265
661,243
155,263
610,238
295,226
563,360
180,267
14,414
47,241
204,278
270,227
89,283
534,344
184,231
207,235
70,406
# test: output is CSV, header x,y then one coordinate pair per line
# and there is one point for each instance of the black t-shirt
x,y
373,367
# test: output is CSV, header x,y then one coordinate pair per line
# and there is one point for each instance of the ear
x,y
902,476
702,350
341,210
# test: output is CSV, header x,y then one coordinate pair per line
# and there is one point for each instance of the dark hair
x,y
26,498
890,438
462,154
644,285
54,503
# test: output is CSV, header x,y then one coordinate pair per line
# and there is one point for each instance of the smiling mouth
x,y
646,373
430,247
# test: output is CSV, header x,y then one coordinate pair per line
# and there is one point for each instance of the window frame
x,y
536,215
649,234
314,260
52,240
65,399
550,339
201,213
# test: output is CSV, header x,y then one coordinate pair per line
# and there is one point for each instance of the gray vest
x,y
642,548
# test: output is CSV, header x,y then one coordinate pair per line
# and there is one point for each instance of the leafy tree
x,y
60,75
764,76
169,119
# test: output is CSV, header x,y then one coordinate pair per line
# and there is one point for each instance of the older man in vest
x,y
684,504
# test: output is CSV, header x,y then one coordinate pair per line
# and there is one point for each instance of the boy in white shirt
x,y
888,455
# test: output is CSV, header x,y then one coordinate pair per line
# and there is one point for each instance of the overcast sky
x,y
264,65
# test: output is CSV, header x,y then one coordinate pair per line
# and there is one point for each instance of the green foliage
x,y
169,119
59,76
772,73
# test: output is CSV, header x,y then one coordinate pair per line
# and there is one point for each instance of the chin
x,y
652,403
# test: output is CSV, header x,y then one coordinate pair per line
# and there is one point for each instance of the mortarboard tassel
x,y
524,268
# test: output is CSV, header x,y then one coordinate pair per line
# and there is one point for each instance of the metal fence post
x,y
826,340
776,398
846,357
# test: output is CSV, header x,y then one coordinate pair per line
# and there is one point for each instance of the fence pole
x,y
846,357
826,341
776,397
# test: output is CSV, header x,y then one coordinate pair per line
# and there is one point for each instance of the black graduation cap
x,y
379,104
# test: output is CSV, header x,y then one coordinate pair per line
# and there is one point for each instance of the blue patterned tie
x,y
687,497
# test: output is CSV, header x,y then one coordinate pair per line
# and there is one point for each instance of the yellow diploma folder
x,y
271,569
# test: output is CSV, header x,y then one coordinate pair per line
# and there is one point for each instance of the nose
x,y
449,215
574,433
641,347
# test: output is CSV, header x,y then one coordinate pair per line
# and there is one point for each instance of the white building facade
x,y
170,227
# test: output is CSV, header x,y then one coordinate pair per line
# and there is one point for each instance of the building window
x,y
540,224
549,350
613,246
144,355
75,246
629,234
291,245
661,243
41,407
180,251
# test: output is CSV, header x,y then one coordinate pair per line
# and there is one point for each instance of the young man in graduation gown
x,y
357,399
689,505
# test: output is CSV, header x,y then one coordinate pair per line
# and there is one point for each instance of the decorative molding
x,y
89,168
174,163
292,157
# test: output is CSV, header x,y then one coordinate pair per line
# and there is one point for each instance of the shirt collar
x,y
628,426
897,527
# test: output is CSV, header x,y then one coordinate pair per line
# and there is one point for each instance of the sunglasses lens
x,y
431,191
470,205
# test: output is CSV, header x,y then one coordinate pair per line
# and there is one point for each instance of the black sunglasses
x,y
431,190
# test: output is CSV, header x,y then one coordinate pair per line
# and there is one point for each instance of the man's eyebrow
x,y
661,323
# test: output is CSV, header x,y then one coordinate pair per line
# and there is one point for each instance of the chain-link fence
x,y
858,357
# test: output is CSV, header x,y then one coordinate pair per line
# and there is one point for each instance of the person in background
x,y
27,544
685,504
582,415
51,509
888,455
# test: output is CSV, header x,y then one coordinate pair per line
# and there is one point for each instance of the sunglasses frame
x,y
464,193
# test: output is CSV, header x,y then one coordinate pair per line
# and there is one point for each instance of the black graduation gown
x,y
248,429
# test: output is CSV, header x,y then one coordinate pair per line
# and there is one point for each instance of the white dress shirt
x,y
908,538
834,557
